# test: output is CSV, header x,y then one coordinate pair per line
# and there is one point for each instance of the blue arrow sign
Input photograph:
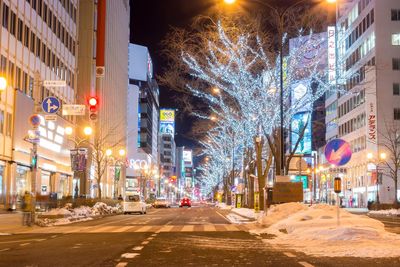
x,y
50,105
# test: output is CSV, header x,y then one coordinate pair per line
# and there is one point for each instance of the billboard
x,y
187,156
167,121
299,121
79,159
332,55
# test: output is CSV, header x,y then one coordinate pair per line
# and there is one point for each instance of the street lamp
x,y
122,152
3,83
88,130
229,2
108,152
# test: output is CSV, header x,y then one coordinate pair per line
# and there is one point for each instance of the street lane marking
x,y
154,235
222,216
53,236
102,229
24,244
145,242
138,248
4,249
129,255
187,228
166,228
150,238
19,241
121,264
305,264
290,255
144,229
122,229
209,228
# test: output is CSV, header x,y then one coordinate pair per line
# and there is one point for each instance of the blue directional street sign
x,y
50,105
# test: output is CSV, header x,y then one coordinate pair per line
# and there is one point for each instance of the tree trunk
x,y
98,189
395,186
251,192
261,181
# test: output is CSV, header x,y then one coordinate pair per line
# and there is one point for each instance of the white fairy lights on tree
x,y
249,96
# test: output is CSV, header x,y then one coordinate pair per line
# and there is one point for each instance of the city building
x,y
143,123
38,44
368,67
167,147
185,171
103,75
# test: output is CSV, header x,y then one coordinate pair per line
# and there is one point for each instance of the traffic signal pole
x,y
34,155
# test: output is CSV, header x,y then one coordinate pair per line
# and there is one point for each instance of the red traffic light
x,y
93,108
93,101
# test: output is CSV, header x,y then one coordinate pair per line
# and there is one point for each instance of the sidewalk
x,y
11,223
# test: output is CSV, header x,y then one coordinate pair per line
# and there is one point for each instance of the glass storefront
x,y
45,183
22,180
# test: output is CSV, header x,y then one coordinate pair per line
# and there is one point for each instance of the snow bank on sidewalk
x,y
314,231
249,213
223,206
391,212
82,213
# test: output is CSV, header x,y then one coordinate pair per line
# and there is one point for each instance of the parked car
x,y
185,202
161,202
134,203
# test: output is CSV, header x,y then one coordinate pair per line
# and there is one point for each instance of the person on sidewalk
x,y
27,209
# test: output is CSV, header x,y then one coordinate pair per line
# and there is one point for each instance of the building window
x,y
396,89
396,39
8,124
20,30
13,22
395,14
396,63
26,36
6,10
2,121
397,114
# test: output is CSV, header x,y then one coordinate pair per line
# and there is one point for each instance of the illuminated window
x,y
396,39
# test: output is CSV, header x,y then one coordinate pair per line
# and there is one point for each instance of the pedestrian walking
x,y
27,209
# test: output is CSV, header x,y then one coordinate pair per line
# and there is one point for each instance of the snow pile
x,y
70,215
314,231
249,213
391,212
223,206
279,212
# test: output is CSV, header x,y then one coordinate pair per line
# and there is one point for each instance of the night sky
x,y
150,23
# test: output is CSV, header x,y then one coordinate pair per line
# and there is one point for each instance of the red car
x,y
185,202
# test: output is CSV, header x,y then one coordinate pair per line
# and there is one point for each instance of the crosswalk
x,y
146,228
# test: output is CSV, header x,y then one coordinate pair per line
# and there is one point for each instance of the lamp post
x,y
376,162
87,131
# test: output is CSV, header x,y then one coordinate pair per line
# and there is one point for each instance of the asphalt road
x,y
197,236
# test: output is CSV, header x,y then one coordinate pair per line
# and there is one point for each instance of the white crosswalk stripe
x,y
70,229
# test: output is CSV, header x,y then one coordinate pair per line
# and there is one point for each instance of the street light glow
x,y
383,155
331,1
88,130
3,83
122,152
108,152
369,155
229,2
68,130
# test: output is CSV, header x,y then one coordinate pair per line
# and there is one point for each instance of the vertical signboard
x,y
167,121
370,111
332,55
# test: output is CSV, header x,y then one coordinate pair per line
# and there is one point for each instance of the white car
x,y
161,202
134,203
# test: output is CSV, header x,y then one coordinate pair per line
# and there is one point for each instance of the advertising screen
x,y
299,121
187,156
167,121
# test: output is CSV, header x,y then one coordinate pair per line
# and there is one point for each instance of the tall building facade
x,y
103,74
143,123
37,44
368,67
185,171
167,148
